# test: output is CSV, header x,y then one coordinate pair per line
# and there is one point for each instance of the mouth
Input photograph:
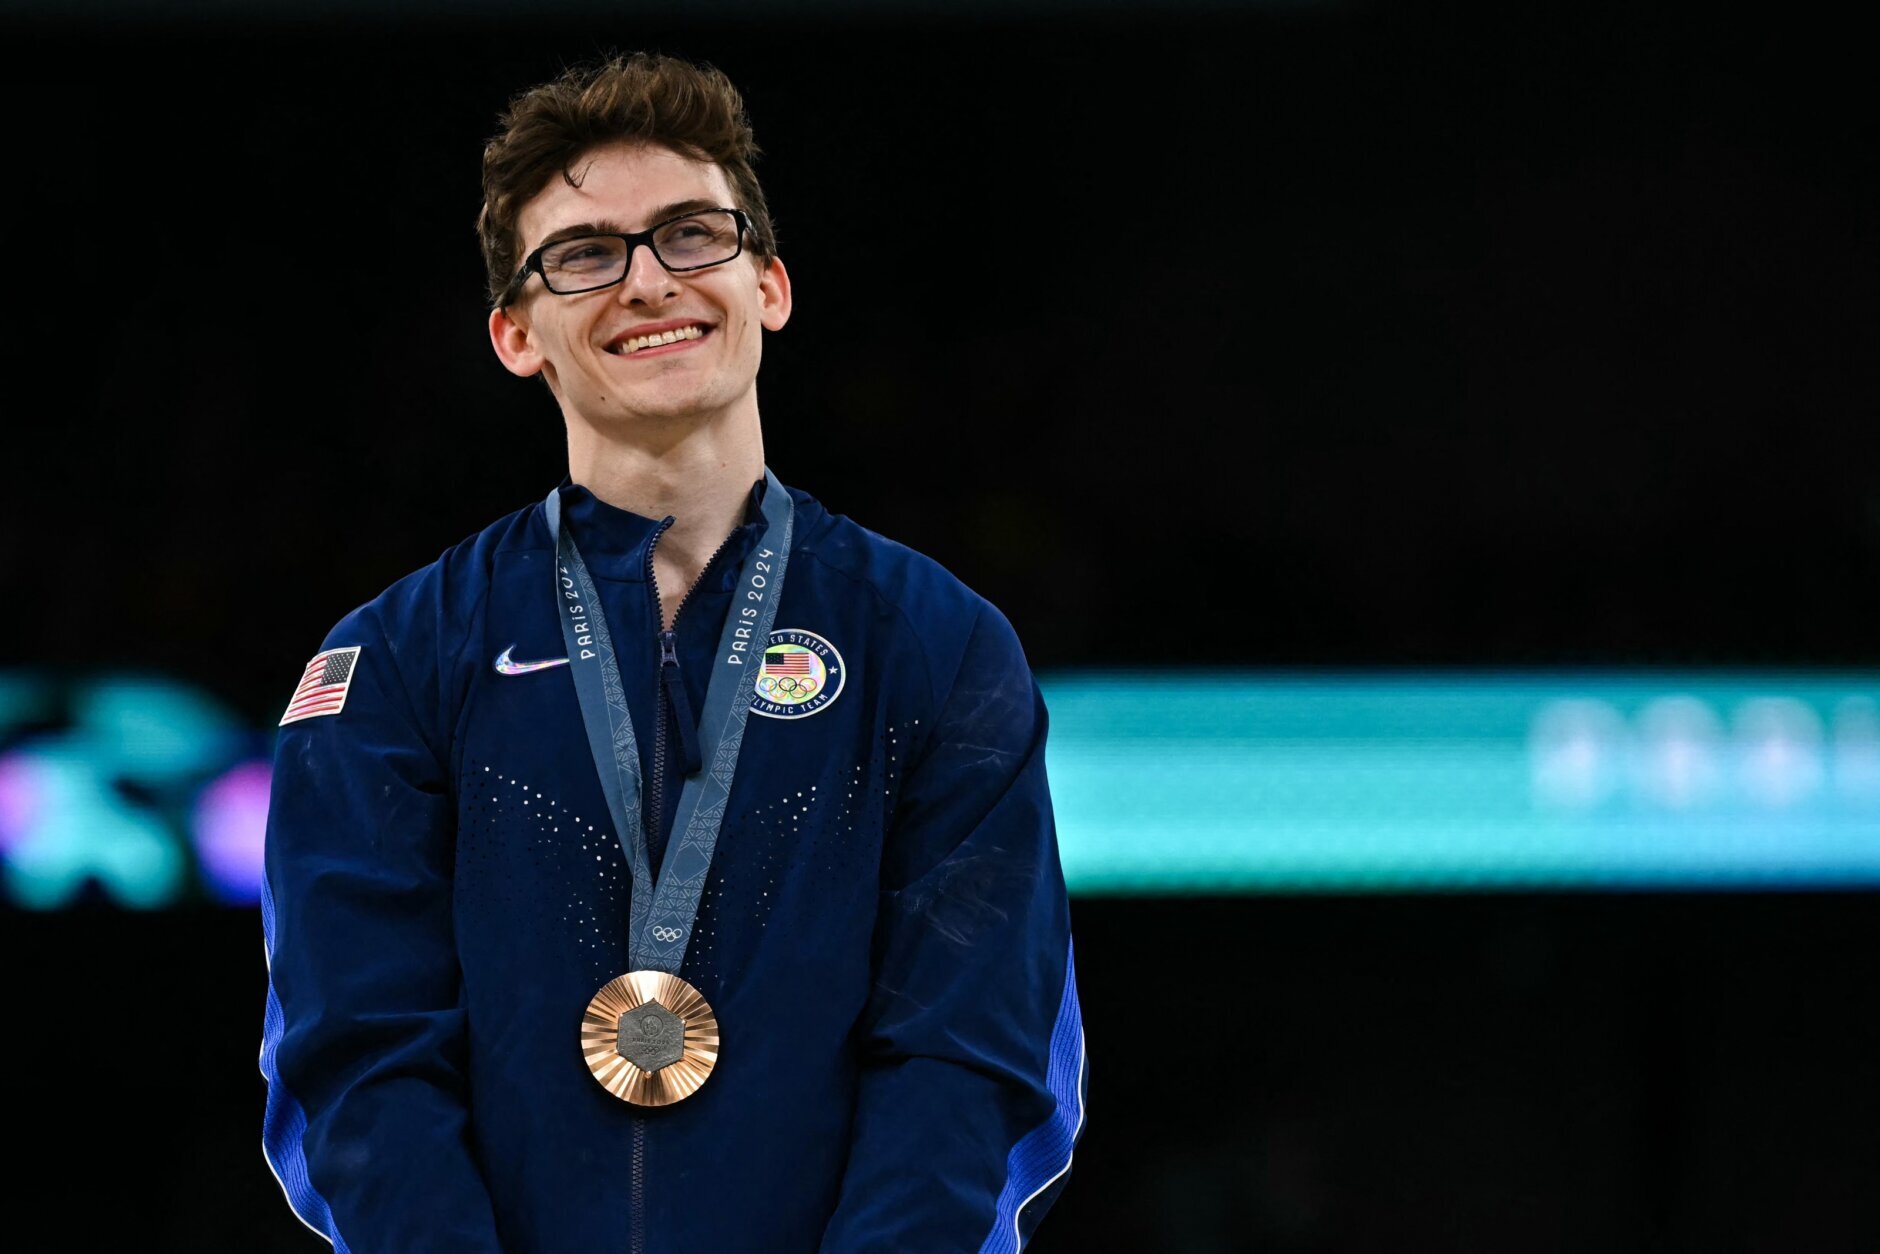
x,y
656,343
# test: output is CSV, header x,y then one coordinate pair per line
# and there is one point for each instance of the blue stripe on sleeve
x,y
1042,1157
284,1122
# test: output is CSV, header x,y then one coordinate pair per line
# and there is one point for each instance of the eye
x,y
586,254
580,252
692,233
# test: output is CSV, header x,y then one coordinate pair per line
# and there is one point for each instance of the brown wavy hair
x,y
645,97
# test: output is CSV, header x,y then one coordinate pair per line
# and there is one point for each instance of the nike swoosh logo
x,y
504,666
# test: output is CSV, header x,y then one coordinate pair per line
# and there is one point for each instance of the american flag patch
x,y
323,685
780,662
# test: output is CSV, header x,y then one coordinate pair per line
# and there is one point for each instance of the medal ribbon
x,y
660,919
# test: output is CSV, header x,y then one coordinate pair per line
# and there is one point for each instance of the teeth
x,y
639,342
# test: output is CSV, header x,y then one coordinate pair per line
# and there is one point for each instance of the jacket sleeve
x,y
364,1033
972,1086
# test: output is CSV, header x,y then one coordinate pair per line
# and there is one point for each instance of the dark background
x,y
1340,334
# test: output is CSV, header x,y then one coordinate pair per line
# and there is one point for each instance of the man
x,y
670,865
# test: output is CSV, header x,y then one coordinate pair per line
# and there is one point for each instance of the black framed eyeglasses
x,y
586,263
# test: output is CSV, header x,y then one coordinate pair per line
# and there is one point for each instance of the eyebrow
x,y
608,226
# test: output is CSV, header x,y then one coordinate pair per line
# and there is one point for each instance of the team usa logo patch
x,y
801,674
323,685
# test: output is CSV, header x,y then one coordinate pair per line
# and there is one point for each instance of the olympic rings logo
x,y
791,687
667,934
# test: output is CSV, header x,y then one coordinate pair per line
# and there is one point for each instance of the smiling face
x,y
592,346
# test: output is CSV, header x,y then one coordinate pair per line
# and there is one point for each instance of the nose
x,y
646,281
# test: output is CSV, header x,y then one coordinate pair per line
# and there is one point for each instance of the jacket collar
x,y
613,541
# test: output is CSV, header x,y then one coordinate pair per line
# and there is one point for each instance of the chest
x,y
812,797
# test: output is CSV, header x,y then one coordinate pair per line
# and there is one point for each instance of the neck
x,y
701,477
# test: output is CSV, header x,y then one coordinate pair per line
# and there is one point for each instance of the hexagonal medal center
x,y
650,1037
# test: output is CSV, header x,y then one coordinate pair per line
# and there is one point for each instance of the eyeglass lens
x,y
590,261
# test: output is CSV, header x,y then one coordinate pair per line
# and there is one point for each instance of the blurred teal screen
x,y
145,792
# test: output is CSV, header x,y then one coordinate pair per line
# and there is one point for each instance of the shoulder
x,y
944,620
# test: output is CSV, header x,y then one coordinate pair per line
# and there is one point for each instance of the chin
x,y
675,411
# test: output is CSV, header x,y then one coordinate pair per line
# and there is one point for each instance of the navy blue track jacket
x,y
884,937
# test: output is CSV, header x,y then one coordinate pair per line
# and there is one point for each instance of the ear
x,y
509,336
773,295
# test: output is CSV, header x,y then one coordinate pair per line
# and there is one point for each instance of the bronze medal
x,y
649,1038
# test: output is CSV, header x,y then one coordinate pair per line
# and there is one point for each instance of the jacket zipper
x,y
655,795
672,685
638,1228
